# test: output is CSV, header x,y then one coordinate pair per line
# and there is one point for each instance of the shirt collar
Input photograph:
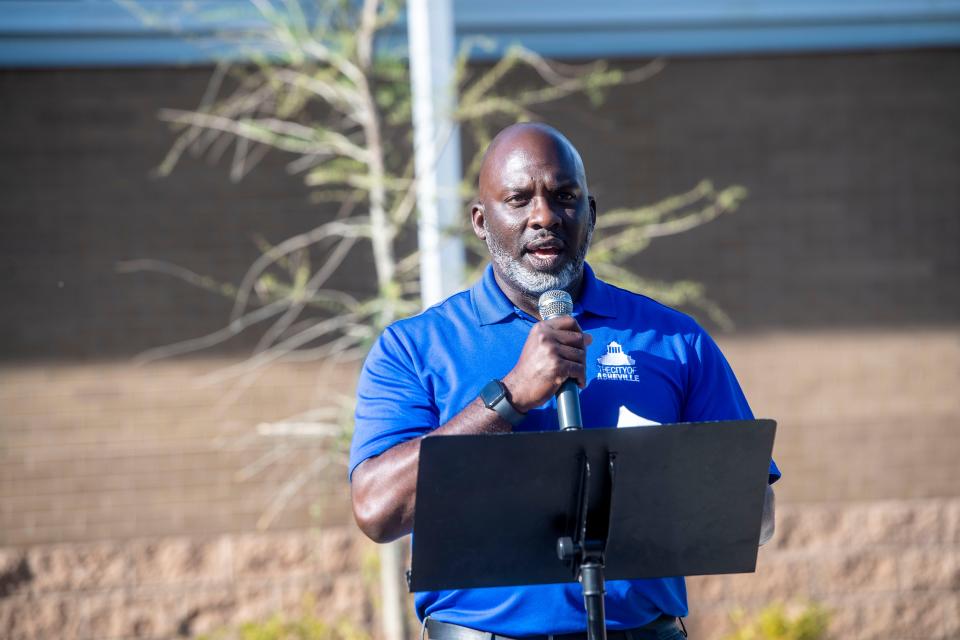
x,y
492,305
597,296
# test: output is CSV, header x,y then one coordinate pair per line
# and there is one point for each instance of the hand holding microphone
x,y
553,361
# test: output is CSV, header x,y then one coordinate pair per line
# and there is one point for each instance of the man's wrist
x,y
496,396
516,399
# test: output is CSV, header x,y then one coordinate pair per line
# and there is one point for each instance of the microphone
x,y
554,304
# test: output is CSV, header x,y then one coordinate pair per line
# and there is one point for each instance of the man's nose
x,y
542,214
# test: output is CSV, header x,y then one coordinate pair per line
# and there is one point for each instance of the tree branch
x,y
357,227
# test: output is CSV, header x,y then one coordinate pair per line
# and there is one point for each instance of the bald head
x,y
517,144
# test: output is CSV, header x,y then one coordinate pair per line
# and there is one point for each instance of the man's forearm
x,y
384,488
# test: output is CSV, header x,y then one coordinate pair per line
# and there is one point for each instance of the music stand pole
x,y
591,580
586,554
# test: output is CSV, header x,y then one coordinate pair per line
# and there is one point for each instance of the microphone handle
x,y
568,406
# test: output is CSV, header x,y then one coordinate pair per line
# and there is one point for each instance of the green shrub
x,y
775,622
306,626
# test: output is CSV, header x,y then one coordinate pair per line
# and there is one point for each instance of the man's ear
x,y
476,218
593,210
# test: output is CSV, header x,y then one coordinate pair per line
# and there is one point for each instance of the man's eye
x,y
566,196
516,199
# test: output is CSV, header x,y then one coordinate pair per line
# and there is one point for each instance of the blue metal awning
x,y
58,33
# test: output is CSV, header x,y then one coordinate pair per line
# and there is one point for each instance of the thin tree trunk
x,y
382,234
382,227
391,591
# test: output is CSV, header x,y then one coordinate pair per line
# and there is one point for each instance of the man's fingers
x,y
556,351
568,365
575,372
570,338
565,323
568,331
571,354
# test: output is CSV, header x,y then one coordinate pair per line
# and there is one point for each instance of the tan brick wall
x,y
181,586
862,415
122,499
885,569
114,451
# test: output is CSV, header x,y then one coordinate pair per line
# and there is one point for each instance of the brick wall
x,y
78,151
181,586
863,415
850,161
886,569
840,271
115,451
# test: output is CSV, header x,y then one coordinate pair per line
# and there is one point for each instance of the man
x,y
481,362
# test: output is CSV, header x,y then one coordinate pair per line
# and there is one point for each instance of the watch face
x,y
492,393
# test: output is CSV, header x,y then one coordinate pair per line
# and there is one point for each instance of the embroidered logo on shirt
x,y
617,365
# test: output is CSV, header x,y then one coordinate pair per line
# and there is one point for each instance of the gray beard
x,y
537,282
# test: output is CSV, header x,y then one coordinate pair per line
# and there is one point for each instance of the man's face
x,y
535,213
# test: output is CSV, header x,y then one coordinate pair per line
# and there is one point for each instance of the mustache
x,y
536,239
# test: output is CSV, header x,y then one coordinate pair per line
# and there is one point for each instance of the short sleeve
x,y
393,403
713,392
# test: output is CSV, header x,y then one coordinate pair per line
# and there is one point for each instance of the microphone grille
x,y
556,303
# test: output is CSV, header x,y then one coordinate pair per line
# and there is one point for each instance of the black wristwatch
x,y
494,396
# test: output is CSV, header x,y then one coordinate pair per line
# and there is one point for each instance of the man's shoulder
x,y
646,311
453,312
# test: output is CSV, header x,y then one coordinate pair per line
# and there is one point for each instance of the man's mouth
x,y
547,251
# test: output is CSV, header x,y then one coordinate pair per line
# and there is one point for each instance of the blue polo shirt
x,y
648,364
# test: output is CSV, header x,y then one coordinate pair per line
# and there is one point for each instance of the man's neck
x,y
526,301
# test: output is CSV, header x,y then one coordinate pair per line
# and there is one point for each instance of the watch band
x,y
494,396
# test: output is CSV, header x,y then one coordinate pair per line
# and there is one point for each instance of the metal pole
x,y
437,148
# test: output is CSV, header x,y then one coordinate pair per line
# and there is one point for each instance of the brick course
x,y
879,579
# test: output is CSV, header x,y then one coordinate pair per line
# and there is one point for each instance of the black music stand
x,y
593,504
